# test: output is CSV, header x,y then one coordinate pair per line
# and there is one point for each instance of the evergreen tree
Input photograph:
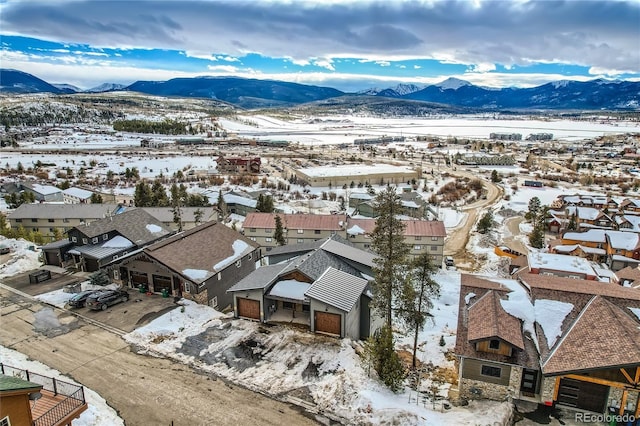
x,y
222,206
387,241
537,236
100,278
417,295
573,222
159,196
485,223
495,177
279,232
260,203
96,198
197,216
386,360
142,196
534,208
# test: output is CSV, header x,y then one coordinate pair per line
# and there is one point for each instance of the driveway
x,y
144,390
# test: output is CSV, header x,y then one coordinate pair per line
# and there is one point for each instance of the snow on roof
x,y
118,241
519,305
571,247
592,235
78,193
410,204
355,230
354,170
468,297
153,228
550,314
623,240
621,258
585,213
290,289
635,311
196,274
560,262
45,189
239,247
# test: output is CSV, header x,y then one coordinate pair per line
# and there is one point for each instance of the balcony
x,y
60,403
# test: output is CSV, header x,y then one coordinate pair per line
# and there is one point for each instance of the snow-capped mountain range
x,y
252,93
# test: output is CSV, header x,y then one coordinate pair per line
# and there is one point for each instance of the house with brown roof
x,y
200,264
554,340
297,228
629,276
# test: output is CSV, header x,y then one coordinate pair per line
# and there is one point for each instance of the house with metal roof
x,y
324,288
558,341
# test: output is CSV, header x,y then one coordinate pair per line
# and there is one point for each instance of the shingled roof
x,y
487,320
136,225
201,249
586,345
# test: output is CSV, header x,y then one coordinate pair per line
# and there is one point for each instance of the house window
x,y
51,230
490,371
434,248
219,276
85,241
116,275
434,238
300,231
187,287
417,247
34,220
51,220
252,238
65,220
418,237
267,240
300,240
317,232
268,231
18,220
94,240
74,239
238,263
250,256
252,229
214,302
105,237
288,305
494,344
5,421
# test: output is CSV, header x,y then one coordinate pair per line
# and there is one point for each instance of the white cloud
x,y
222,68
608,71
227,58
324,63
199,55
383,63
416,67
481,67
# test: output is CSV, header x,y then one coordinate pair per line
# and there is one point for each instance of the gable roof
x,y
260,278
63,211
314,264
587,346
165,214
338,289
629,273
330,222
136,225
201,252
487,319
589,287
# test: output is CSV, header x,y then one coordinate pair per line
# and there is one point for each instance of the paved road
x,y
144,390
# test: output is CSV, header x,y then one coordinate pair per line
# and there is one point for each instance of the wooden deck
x,y
69,411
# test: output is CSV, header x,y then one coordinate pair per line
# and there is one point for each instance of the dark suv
x,y
79,299
106,298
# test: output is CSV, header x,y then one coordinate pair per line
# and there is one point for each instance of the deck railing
x,y
74,394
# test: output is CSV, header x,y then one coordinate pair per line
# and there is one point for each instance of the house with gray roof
x,y
324,288
91,246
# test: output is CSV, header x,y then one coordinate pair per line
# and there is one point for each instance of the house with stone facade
x,y
554,340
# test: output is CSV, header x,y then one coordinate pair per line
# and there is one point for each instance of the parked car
x,y
78,300
448,261
106,298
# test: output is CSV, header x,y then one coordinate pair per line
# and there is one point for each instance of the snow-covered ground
x,y
24,257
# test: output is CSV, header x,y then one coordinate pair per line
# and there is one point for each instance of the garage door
x,y
583,395
327,323
249,308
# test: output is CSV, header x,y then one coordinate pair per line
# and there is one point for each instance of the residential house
x,y
200,264
536,338
629,276
561,265
190,217
76,196
96,244
324,289
238,165
28,398
51,219
630,205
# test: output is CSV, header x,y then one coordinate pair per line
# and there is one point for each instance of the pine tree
x,y
387,241
485,223
534,208
159,195
197,216
495,177
96,198
417,295
278,234
222,206
573,222
537,236
142,196
386,360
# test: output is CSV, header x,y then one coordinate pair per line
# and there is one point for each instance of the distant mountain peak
x,y
404,89
452,83
371,91
106,87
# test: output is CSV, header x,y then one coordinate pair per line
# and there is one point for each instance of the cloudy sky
x,y
349,45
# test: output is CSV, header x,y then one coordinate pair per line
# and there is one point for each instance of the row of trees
x,y
403,290
166,127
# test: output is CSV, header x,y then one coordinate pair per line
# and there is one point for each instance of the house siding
x,y
474,385
228,277
252,295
